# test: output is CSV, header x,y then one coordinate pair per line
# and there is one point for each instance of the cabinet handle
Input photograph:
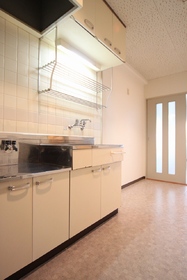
x,y
89,24
13,188
96,170
108,42
117,50
40,183
107,168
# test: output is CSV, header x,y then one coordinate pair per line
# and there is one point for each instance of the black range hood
x,y
38,14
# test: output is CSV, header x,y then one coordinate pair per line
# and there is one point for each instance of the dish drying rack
x,y
74,86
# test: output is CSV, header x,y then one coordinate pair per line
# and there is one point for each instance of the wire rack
x,y
67,74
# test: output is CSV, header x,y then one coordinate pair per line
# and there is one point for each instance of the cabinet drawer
x,y
104,156
82,158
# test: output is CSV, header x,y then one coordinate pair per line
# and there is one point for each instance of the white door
x,y
166,142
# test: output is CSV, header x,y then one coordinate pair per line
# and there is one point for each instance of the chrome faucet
x,y
80,123
83,123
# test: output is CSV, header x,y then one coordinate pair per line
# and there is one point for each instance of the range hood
x,y
40,15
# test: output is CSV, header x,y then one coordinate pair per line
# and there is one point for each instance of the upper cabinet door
x,y
86,16
119,35
103,29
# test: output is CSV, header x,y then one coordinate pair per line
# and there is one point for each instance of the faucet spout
x,y
83,123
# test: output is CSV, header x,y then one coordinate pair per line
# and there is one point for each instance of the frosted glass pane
x,y
159,124
171,137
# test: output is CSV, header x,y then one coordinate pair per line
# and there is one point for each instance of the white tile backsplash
x,y
22,103
23,46
9,101
10,28
9,125
1,111
11,52
1,48
10,89
23,57
22,108
1,99
33,127
2,74
22,92
23,36
10,64
22,115
22,69
23,80
11,40
9,113
2,25
10,77
22,126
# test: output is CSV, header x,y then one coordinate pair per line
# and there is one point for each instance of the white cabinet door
x,y
82,158
103,29
110,188
50,212
84,198
15,226
86,16
119,38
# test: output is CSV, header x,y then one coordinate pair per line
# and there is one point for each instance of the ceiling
x,y
156,35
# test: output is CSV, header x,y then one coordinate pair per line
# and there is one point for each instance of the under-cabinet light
x,y
66,48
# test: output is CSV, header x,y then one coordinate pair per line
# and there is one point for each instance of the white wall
x,y
124,121
172,84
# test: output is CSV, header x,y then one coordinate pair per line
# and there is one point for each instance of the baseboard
x,y
132,182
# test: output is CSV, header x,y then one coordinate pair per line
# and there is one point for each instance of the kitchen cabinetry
x,y
15,226
106,155
110,188
82,158
86,16
97,18
109,30
119,38
104,28
95,192
50,212
84,198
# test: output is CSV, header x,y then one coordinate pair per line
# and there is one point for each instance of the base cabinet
x,y
15,226
84,198
110,188
50,212
41,213
94,193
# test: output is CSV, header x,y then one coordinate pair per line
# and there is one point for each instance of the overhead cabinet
x,y
119,38
86,16
98,19
104,30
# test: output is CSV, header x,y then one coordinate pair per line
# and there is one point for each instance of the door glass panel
x,y
159,132
171,137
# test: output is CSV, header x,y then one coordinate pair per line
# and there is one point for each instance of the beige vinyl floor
x,y
146,240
